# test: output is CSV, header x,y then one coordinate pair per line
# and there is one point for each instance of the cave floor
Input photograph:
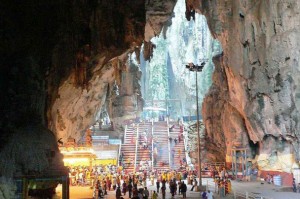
x,y
270,191
254,188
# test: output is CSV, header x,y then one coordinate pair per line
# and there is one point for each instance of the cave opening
x,y
115,83
154,93
166,89
165,76
254,147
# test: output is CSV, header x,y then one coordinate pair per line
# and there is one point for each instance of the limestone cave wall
x,y
111,57
59,63
44,47
254,100
111,31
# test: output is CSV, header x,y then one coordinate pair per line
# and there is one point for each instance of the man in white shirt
x,y
209,195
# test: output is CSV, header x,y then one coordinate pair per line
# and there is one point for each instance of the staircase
x,y
144,154
128,148
177,149
161,141
161,144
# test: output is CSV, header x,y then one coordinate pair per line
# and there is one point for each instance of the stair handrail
x,y
119,153
211,186
125,134
185,138
169,144
136,146
215,164
152,145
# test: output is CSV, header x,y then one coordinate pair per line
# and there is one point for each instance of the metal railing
x,y
185,139
247,195
216,164
169,144
211,186
119,153
125,134
120,146
136,146
152,145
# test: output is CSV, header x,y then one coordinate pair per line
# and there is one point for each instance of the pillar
x,y
65,187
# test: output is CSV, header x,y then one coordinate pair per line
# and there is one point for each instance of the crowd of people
x,y
112,178
85,176
135,184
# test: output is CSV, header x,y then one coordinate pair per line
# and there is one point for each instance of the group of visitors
x,y
222,181
84,175
79,175
105,179
136,184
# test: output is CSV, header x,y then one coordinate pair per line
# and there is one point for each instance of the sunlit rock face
x,y
106,55
111,32
76,109
255,102
158,16
112,58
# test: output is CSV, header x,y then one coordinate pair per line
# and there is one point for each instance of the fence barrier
x,y
247,195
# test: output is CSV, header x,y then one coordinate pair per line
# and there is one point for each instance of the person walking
x,y
172,188
100,191
152,179
209,195
124,188
294,185
157,186
140,194
163,192
204,195
195,184
183,189
179,187
222,189
146,193
129,187
154,195
118,193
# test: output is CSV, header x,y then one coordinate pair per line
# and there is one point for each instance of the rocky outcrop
x,y
99,63
98,68
255,104
113,89
158,17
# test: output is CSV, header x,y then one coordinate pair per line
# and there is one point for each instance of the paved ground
x,y
267,190
254,188
77,192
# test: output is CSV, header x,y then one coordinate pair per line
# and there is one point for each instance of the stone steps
x,y
160,135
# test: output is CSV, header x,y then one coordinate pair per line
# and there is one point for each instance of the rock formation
x,y
99,65
254,100
59,62
87,90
